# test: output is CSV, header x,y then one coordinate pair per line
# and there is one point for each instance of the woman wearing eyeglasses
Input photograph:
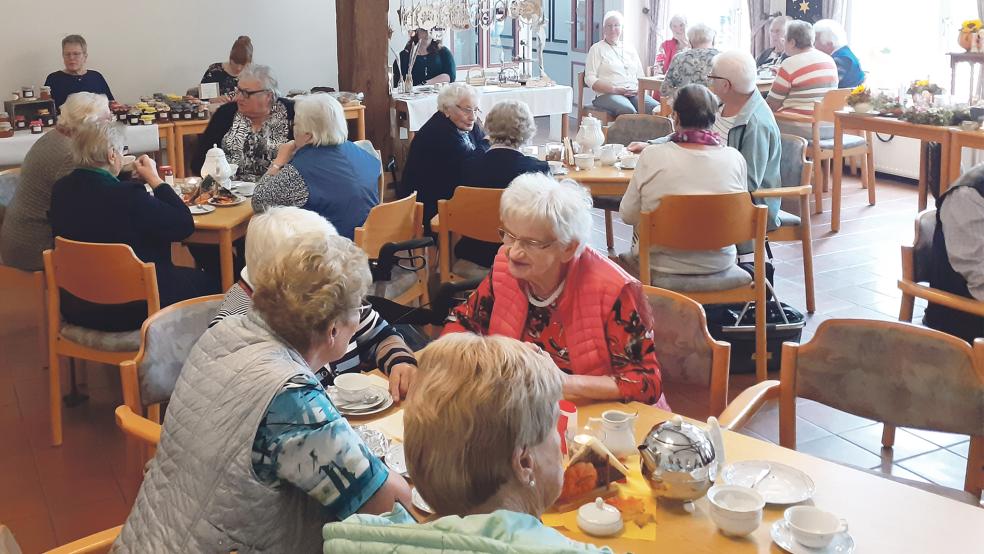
x,y
75,77
549,288
251,128
434,162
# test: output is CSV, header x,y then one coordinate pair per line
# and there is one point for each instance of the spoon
x,y
761,475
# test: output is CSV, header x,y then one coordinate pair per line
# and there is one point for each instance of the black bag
x,y
735,324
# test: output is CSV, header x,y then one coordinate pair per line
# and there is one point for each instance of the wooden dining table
x,y
883,515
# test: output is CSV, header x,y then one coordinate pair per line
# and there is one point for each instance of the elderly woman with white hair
x,y
776,52
321,170
692,66
510,125
26,229
673,45
90,204
482,446
375,344
547,287
831,38
253,455
251,128
439,148
612,69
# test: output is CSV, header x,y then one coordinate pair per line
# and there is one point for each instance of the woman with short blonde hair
x,y
320,170
612,70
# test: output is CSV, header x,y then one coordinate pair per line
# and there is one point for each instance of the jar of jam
x,y
147,119
202,113
20,122
121,116
27,92
187,114
6,130
45,93
134,118
167,173
37,127
4,117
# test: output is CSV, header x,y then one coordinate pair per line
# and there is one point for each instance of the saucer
x,y
201,209
782,535
379,400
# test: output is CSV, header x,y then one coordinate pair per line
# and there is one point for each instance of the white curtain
x,y
980,9
659,26
838,10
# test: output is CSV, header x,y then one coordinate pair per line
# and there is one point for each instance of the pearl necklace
x,y
548,300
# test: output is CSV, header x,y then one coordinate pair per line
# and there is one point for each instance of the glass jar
x,y
27,93
167,173
37,127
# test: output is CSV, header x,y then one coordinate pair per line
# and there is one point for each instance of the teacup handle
x,y
843,526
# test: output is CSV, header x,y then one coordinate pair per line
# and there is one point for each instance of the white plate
x,y
201,209
782,535
396,458
239,200
376,396
783,484
418,501
362,409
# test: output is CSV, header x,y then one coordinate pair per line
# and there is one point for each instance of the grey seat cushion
x,y
610,203
468,269
401,281
731,278
124,341
850,141
787,219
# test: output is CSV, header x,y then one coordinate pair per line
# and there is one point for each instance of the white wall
x,y
147,47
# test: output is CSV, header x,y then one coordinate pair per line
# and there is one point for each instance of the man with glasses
x,y
75,77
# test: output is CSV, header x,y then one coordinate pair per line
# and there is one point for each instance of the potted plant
x,y
928,115
967,32
924,92
860,99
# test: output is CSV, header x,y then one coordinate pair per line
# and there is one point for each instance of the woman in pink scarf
x,y
677,43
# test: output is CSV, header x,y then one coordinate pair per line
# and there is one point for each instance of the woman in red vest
x,y
549,289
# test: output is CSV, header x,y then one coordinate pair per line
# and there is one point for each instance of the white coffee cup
x,y
737,511
610,152
812,526
352,387
629,161
584,161
555,166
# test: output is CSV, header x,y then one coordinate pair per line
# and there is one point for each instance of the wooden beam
x,y
362,34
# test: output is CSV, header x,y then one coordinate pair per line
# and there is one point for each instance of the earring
x,y
532,483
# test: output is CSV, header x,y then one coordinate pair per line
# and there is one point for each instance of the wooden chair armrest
x,y
96,542
140,427
747,404
793,117
784,192
943,298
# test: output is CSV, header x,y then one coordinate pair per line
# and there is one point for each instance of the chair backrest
x,y
893,372
396,221
9,179
794,169
472,212
833,100
166,339
580,93
100,273
686,350
703,221
638,127
922,246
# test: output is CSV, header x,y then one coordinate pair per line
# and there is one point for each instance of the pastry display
x,y
591,467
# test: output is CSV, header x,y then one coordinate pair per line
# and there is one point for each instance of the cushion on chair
x,y
169,340
467,269
731,278
850,141
610,203
401,280
125,341
791,160
923,251
787,219
681,346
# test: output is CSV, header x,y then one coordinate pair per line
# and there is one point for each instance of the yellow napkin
x,y
634,487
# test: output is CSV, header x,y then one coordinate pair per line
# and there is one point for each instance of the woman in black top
x,y
226,74
75,77
92,205
510,125
434,63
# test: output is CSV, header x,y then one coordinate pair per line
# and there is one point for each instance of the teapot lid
x,y
215,152
590,120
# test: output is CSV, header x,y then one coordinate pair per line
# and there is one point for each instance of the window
x,y
728,18
465,47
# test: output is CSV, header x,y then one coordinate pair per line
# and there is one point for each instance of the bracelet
x,y
278,167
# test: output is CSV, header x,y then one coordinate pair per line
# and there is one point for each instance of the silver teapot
x,y
679,460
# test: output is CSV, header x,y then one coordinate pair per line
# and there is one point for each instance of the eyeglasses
x,y
510,239
473,111
247,93
721,78
364,309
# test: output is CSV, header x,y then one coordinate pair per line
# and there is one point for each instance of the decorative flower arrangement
x,y
859,95
919,87
888,105
928,115
971,26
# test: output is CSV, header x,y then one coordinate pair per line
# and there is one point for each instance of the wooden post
x,y
363,31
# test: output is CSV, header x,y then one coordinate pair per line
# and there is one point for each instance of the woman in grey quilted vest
x,y
253,456
26,230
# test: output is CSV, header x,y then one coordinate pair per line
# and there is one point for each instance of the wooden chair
x,y
821,150
628,128
389,227
143,436
710,222
102,274
472,212
688,354
863,367
166,339
795,172
603,115
96,543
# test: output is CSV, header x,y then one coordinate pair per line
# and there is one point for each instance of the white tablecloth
x,y
555,100
142,139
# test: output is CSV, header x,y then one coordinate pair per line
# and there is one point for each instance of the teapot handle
x,y
714,430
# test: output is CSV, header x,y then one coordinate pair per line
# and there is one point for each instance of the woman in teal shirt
x,y
434,63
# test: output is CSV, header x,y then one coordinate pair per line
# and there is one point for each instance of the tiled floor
x,y
50,496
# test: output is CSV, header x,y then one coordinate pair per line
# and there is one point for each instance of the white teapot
x,y
217,166
589,136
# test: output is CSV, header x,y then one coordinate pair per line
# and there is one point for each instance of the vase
x,y
966,40
862,107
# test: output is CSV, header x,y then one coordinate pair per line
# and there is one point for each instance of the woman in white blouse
x,y
613,69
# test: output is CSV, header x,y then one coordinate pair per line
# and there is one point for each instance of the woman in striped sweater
x,y
804,77
375,343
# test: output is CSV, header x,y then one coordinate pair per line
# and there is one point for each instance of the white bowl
x,y
737,511
352,387
599,519
584,161
812,526
629,161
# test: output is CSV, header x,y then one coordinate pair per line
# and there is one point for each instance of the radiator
x,y
899,156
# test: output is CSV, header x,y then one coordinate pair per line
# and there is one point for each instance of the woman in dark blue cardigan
x,y
91,204
438,149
